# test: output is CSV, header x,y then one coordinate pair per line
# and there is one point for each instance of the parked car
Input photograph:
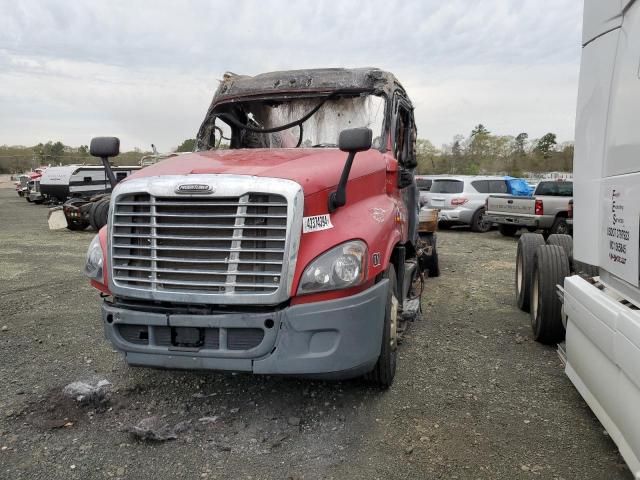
x,y
548,209
423,183
461,199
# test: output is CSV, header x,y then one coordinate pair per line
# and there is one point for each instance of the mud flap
x,y
56,219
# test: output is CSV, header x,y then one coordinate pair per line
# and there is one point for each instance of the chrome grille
x,y
199,245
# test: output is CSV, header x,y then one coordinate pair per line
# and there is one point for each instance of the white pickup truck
x,y
548,209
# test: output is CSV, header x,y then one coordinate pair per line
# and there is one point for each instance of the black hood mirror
x,y
353,140
105,147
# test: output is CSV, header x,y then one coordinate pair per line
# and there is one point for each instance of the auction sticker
x,y
316,223
621,236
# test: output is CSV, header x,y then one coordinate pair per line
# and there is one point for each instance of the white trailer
x,y
586,292
84,181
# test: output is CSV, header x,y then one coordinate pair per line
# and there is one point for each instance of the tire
x,y
551,267
477,223
444,225
564,241
527,246
560,226
385,370
433,265
92,215
508,230
76,225
28,199
102,214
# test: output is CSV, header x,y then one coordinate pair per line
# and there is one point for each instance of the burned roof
x,y
321,79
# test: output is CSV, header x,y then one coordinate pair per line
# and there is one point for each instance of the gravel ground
x,y
474,397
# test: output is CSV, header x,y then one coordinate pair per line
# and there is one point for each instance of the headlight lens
x,y
93,263
340,267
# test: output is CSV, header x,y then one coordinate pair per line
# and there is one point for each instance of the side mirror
x,y
355,140
105,147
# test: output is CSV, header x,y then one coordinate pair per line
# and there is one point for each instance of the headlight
x,y
93,263
340,267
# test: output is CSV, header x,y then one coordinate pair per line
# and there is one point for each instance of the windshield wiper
x,y
325,145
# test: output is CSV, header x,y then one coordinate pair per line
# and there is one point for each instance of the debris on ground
x,y
154,429
88,393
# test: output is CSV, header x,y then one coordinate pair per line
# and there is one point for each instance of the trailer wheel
x,y
384,371
550,269
527,246
564,241
479,223
508,230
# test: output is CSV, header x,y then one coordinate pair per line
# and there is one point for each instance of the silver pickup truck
x,y
548,209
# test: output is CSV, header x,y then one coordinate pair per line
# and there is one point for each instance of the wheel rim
x,y
393,327
483,226
519,274
534,298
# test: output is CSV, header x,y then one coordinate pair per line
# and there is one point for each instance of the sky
x,y
146,71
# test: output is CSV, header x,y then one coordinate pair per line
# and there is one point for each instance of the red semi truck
x,y
294,250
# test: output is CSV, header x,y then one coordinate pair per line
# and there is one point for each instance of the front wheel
x,y
385,370
479,222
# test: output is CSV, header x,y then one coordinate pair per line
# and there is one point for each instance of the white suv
x,y
461,199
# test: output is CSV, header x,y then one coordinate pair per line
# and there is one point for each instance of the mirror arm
x,y
339,197
109,171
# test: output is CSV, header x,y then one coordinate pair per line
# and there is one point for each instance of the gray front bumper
x,y
333,339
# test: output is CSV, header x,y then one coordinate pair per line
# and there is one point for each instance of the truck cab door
x,y
404,151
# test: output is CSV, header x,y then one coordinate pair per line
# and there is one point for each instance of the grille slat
x,y
230,246
201,226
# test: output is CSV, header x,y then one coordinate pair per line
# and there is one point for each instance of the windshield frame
x,y
218,108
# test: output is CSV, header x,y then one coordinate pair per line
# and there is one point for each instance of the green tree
x,y
189,145
546,145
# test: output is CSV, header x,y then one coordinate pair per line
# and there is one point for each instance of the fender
x,y
370,215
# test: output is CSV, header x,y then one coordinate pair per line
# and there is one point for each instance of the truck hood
x,y
314,169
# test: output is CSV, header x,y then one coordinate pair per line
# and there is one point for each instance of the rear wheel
x,y
102,214
92,215
527,246
385,369
76,225
508,230
550,269
564,241
479,222
560,226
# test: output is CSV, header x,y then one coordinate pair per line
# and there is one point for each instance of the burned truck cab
x,y
283,245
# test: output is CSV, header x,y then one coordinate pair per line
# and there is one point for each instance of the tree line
x,y
479,153
484,153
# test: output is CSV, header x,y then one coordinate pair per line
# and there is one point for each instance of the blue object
x,y
518,187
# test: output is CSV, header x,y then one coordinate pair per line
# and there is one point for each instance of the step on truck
x,y
290,250
583,293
